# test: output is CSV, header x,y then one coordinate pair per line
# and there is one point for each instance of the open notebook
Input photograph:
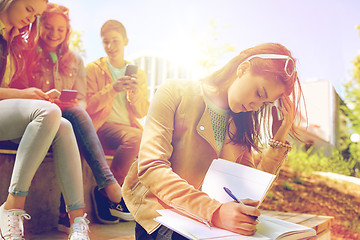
x,y
244,182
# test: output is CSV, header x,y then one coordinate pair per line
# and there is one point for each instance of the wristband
x,y
276,144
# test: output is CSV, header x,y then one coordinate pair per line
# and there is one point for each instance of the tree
x,y
76,43
213,49
352,111
352,95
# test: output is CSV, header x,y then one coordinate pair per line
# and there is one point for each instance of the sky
x,y
321,34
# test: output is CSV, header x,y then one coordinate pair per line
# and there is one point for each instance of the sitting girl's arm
x,y
154,167
28,93
272,158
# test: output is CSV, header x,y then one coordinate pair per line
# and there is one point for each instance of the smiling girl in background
x,y
52,65
191,123
35,124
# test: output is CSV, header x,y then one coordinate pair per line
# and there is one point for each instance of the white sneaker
x,y
80,229
11,223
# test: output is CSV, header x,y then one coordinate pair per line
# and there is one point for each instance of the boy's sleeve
x,y
99,94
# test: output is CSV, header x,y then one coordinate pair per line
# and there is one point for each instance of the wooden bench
x,y
43,199
321,224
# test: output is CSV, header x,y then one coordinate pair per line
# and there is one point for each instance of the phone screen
x,y
131,69
277,104
68,95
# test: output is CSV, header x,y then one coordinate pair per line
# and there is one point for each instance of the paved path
x,y
339,177
120,231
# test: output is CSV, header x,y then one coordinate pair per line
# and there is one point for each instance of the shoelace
x,y
16,225
80,229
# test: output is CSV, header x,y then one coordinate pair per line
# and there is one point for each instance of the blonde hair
x,y
26,39
4,4
64,54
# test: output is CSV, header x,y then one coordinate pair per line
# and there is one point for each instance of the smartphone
x,y
68,95
53,94
277,104
131,69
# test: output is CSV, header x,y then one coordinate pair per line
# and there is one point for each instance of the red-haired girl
x,y
191,123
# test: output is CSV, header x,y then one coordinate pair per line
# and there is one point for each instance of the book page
x,y
244,182
280,229
268,228
193,229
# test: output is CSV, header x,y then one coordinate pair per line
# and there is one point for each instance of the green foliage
x,y
352,95
213,48
271,196
298,180
351,151
310,160
76,43
288,186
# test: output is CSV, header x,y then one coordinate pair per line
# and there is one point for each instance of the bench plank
x,y
321,224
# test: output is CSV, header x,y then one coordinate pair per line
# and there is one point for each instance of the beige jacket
x,y
177,148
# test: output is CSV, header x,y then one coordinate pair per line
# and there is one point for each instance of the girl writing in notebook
x,y
191,123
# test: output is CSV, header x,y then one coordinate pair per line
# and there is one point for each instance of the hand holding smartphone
x,y
277,104
129,81
68,95
53,94
130,70
64,96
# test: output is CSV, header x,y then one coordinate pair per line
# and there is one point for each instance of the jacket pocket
x,y
138,193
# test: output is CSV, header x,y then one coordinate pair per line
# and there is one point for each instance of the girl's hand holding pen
x,y
236,217
250,202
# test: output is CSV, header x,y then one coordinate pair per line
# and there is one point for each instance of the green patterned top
x,y
219,121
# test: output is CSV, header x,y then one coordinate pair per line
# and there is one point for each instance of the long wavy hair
x,y
64,56
26,39
4,4
248,124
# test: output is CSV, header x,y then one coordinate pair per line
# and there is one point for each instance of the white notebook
x,y
244,182
268,228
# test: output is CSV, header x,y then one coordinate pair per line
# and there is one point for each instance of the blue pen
x,y
228,191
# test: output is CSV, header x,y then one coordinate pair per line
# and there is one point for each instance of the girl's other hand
x,y
236,217
125,83
280,128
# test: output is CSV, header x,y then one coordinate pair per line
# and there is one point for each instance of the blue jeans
x,y
36,125
162,233
90,145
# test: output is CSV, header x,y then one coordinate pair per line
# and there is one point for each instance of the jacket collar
x,y
102,63
204,126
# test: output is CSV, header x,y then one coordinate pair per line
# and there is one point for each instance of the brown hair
x,y
113,25
248,123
